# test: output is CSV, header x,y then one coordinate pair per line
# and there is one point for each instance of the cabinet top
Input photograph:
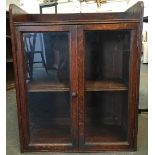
x,y
133,14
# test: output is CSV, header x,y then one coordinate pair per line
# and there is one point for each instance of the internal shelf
x,y
105,86
105,133
37,86
52,131
58,134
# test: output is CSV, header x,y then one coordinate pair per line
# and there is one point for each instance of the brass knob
x,y
74,94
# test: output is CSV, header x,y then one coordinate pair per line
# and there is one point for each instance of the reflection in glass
x,y
48,88
47,56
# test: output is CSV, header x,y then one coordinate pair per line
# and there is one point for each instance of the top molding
x,y
20,17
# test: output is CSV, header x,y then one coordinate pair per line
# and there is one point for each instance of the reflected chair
x,y
30,51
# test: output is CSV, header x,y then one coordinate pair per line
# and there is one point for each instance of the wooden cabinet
x,y
77,80
10,83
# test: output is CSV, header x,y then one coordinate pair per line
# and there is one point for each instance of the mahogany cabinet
x,y
77,80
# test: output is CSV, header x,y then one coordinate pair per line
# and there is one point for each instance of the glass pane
x,y
47,57
106,116
49,115
107,55
48,87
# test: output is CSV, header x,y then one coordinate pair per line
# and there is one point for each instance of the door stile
x,y
133,90
74,85
80,40
22,91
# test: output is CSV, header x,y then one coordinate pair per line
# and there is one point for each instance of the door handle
x,y
74,94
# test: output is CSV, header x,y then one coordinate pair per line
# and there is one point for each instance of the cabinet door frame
x,y
133,91
22,106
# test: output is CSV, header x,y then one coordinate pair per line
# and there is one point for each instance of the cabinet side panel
x,y
134,90
14,52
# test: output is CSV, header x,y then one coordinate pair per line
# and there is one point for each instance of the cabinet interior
x,y
49,117
107,55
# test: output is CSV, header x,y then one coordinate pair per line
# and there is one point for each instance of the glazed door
x,y
46,58
108,60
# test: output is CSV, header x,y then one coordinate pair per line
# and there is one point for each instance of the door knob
x,y
74,94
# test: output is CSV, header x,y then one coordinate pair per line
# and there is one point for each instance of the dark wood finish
x,y
73,87
133,78
105,86
75,18
10,83
13,11
112,134
86,134
136,9
47,87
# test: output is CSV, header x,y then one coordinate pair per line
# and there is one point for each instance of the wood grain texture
x,y
10,81
82,138
34,87
131,15
47,87
12,13
105,86
75,18
133,68
133,90
81,79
